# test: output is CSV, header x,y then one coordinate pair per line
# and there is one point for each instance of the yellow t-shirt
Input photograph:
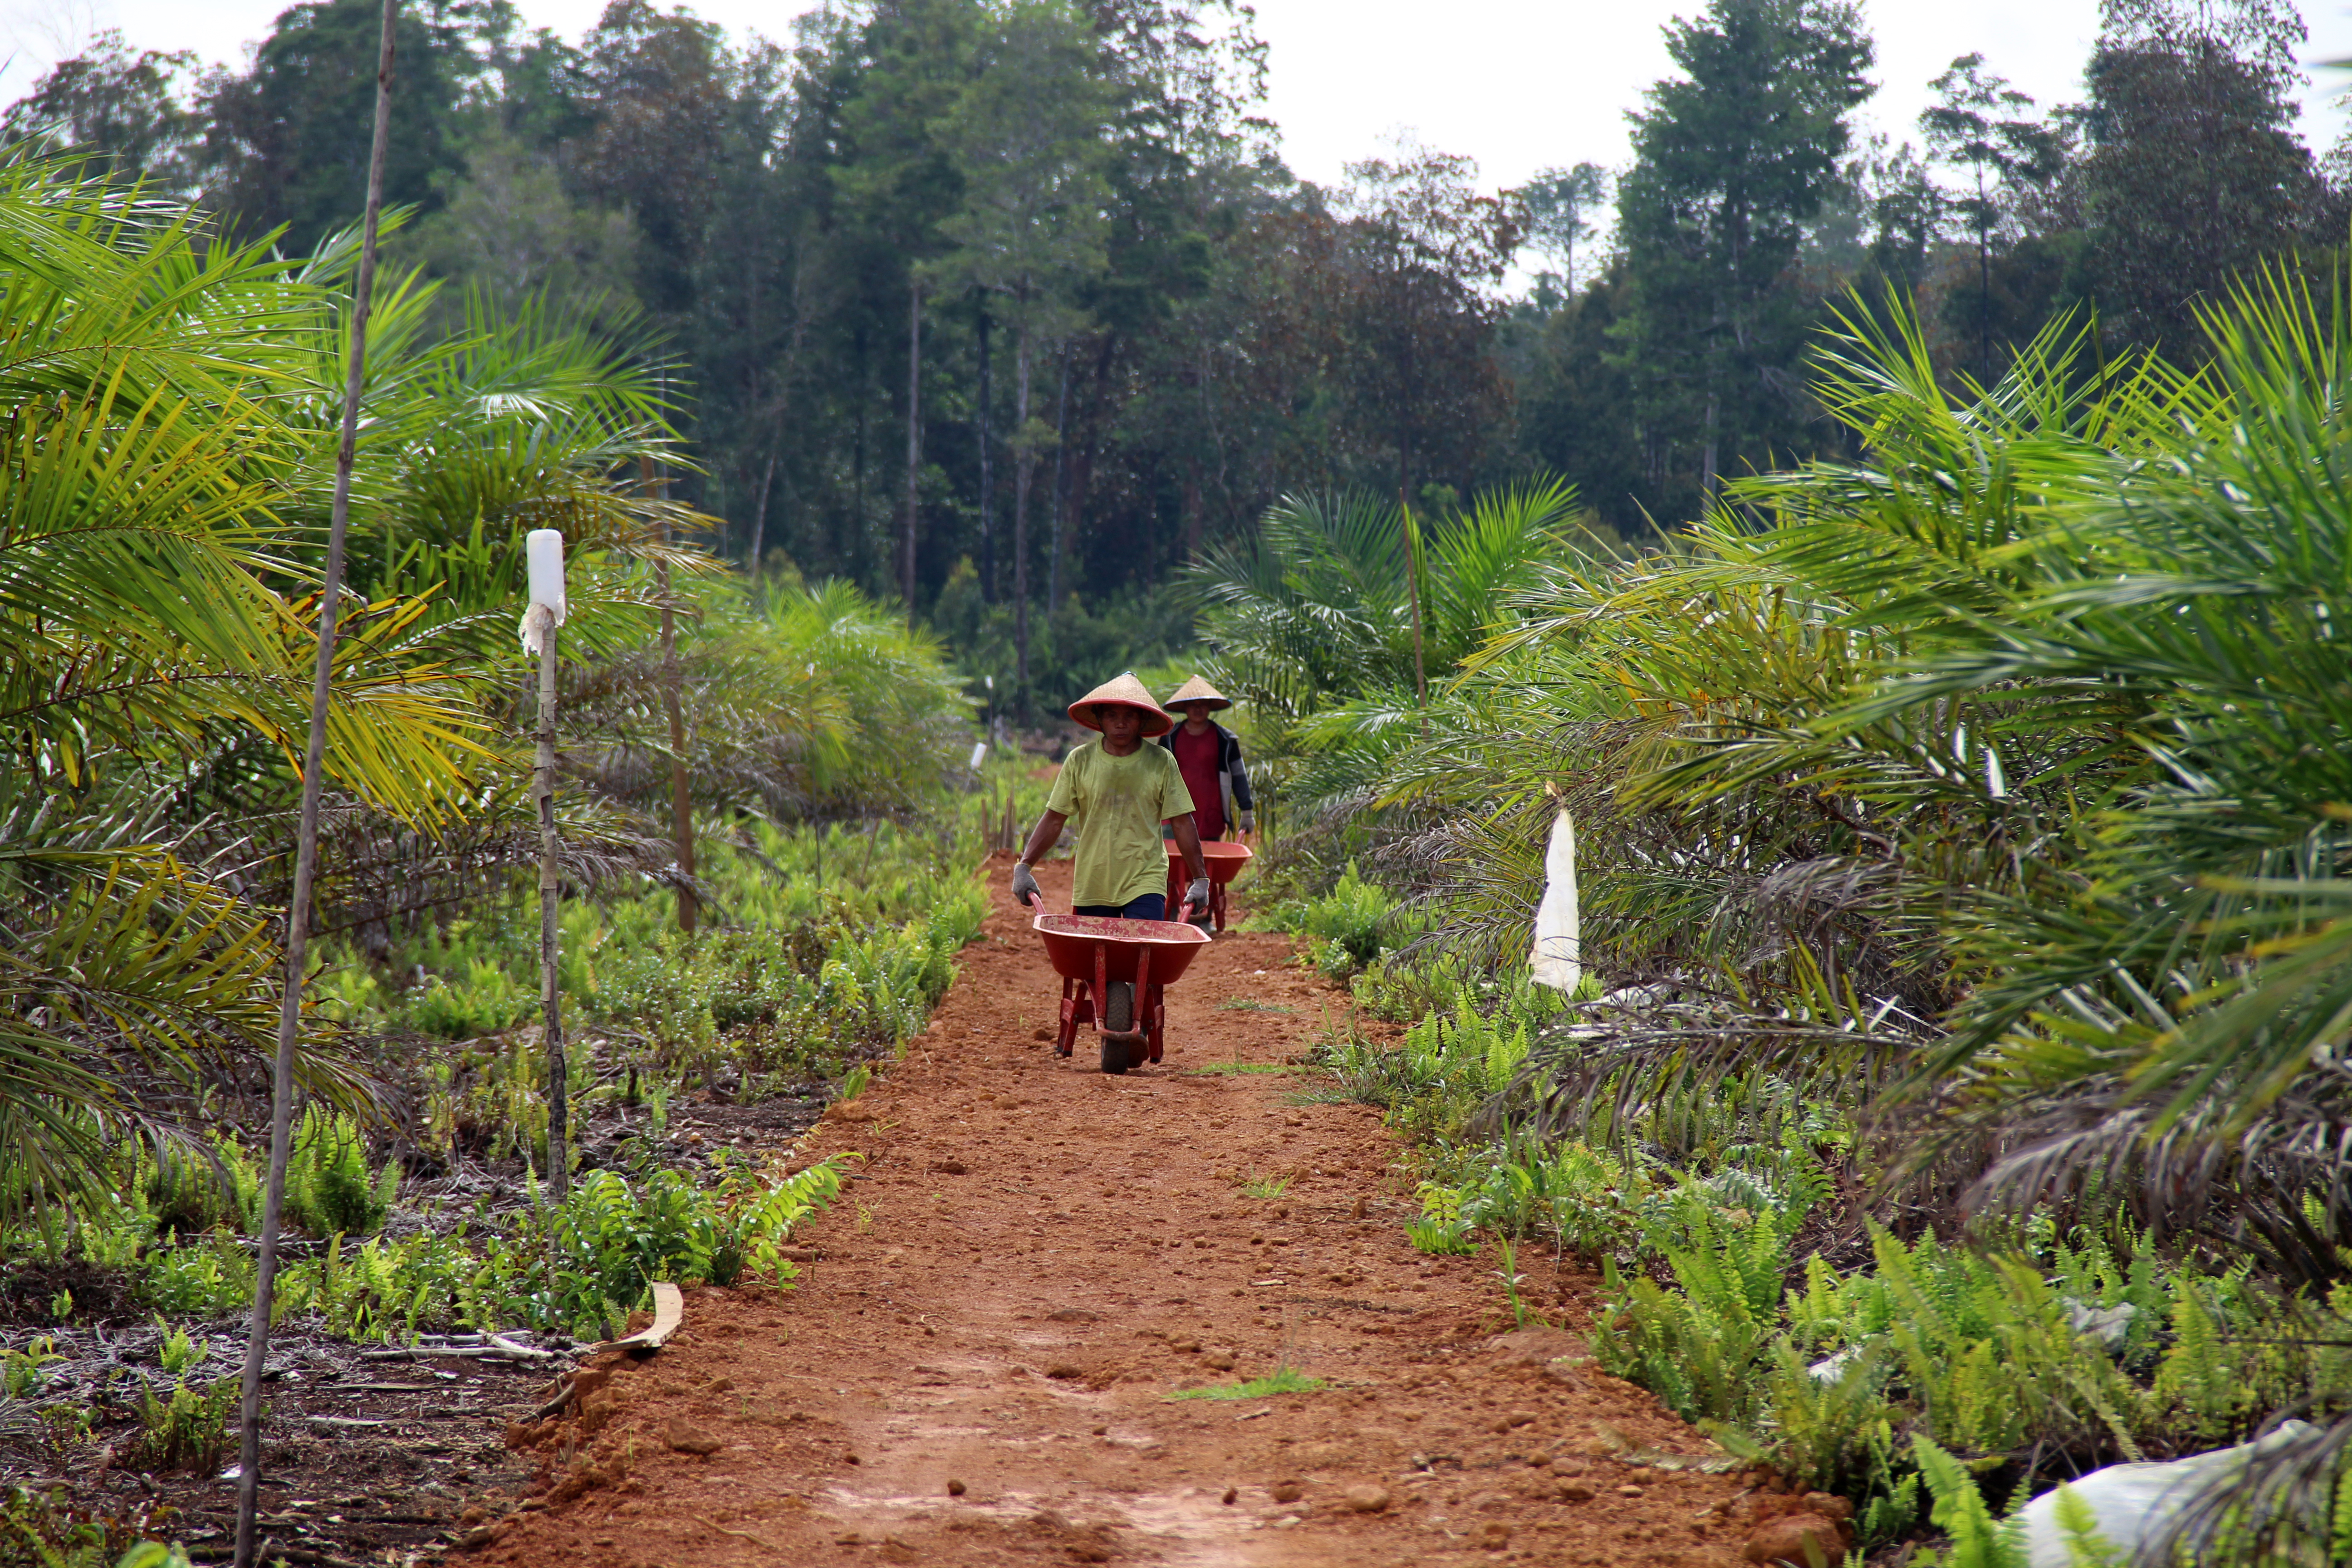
x,y
1116,804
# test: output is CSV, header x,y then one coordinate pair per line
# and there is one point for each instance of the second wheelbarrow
x,y
1223,862
1113,974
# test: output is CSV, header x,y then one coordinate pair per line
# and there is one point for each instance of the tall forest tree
x,y
286,143
897,183
1731,160
1423,243
819,249
1027,137
1563,211
1984,125
2193,173
116,107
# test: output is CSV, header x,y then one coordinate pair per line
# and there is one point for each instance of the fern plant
x,y
609,1241
184,1429
328,1189
1441,1230
1960,1512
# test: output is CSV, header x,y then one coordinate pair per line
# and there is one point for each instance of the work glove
x,y
1196,897
1024,886
1249,820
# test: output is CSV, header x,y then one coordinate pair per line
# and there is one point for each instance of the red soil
x,y
975,1368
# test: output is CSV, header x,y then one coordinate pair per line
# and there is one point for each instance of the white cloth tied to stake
x,y
1557,960
543,549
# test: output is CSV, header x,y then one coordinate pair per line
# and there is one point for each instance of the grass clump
x,y
1282,1380
1266,1187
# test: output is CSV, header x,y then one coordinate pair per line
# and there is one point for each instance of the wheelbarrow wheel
x,y
1118,1007
1115,1057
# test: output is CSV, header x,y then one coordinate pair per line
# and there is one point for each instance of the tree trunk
x,y
1024,463
1061,484
1706,455
857,460
1192,510
1984,305
987,477
914,434
759,514
306,832
1082,469
1412,601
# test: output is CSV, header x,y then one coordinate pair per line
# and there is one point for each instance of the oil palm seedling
x,y
1985,791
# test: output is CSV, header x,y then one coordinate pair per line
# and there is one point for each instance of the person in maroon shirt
x,y
1209,759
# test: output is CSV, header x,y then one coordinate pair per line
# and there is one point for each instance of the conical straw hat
x,y
1126,690
1199,690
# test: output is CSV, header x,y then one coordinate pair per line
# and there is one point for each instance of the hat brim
x,y
1217,704
1157,721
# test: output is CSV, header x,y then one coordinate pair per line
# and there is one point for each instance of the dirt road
x,y
977,1367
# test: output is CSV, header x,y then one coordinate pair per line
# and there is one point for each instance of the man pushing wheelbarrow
x,y
1117,791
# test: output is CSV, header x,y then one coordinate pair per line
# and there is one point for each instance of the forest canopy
x,y
1017,368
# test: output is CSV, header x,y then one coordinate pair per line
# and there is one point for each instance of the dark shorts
x,y
1150,906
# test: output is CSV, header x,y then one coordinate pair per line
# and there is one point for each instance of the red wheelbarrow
x,y
1223,863
1112,972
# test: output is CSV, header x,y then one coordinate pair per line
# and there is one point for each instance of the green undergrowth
x,y
2022,1356
821,953
1342,929
42,1526
578,1268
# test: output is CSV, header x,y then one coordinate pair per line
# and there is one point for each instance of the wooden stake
x,y
550,905
681,798
306,836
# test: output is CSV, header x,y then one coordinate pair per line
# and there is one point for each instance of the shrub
x,y
1342,929
486,1001
328,1189
185,1429
610,1241
25,1372
190,1191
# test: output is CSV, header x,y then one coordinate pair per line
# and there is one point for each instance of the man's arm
x,y
1048,833
1188,839
1025,890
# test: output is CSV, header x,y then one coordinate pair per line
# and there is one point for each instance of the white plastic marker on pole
x,y
543,549
306,834
979,755
1558,959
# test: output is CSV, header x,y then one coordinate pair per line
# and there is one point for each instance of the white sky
x,y
1516,84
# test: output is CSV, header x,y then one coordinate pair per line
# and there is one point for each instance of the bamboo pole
x,y
306,838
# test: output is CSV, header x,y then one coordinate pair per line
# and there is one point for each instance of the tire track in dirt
x,y
1033,1258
